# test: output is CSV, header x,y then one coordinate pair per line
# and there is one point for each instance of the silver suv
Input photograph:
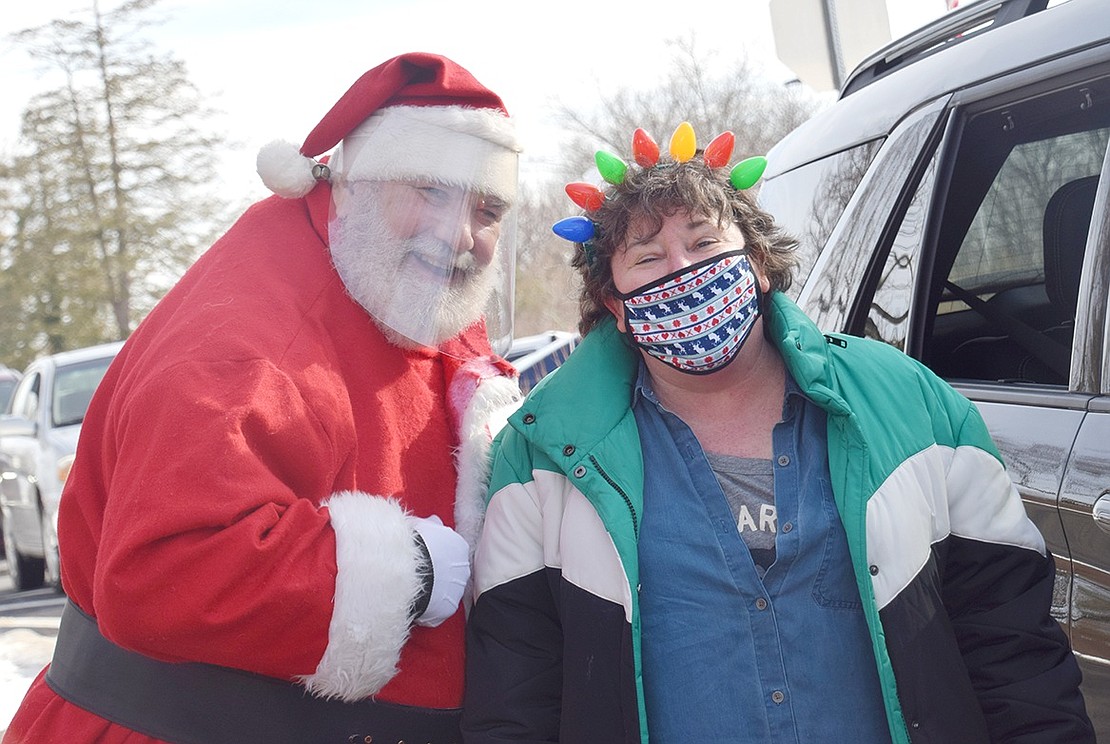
x,y
955,202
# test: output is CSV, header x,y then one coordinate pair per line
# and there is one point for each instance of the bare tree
x,y
547,286
713,96
105,205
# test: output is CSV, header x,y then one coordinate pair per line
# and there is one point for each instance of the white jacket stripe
x,y
527,523
940,491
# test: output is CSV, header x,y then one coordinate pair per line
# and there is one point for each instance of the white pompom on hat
x,y
416,116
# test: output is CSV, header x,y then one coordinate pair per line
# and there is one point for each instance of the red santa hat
x,y
417,116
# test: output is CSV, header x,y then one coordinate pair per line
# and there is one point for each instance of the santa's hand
x,y
448,564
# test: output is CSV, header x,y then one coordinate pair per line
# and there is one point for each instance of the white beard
x,y
414,304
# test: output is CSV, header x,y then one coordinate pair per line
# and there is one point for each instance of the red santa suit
x,y
246,474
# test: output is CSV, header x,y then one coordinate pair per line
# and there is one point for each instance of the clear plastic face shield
x,y
427,258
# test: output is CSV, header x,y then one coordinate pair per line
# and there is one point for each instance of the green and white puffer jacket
x,y
954,577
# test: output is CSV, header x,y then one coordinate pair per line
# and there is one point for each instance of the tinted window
x,y
996,250
832,181
1012,236
889,312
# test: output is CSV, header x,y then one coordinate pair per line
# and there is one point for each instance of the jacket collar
x,y
586,397
806,351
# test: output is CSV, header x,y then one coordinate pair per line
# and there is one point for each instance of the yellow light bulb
x,y
683,143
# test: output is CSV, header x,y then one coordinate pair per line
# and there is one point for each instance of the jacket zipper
x,y
623,495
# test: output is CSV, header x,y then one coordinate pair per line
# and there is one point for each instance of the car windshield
x,y
74,385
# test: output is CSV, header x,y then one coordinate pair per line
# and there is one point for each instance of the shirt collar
x,y
642,391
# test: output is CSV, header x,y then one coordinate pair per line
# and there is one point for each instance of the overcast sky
x,y
274,69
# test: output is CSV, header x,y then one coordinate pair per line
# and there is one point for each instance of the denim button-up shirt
x,y
728,657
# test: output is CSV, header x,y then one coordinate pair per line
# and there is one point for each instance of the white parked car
x,y
37,440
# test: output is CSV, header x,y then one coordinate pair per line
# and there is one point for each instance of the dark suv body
x,y
955,203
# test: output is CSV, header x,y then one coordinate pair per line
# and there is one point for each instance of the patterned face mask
x,y
696,319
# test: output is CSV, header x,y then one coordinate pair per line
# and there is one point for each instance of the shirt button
x,y
568,450
873,569
579,471
777,696
529,418
788,526
761,604
784,460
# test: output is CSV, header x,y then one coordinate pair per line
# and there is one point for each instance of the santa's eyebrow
x,y
493,202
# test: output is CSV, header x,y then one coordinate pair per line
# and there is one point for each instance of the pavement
x,y
28,627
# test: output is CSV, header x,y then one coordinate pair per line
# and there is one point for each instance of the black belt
x,y
192,703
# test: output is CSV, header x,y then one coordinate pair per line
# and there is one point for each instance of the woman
x,y
714,523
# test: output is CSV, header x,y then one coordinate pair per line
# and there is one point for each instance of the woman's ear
x,y
764,283
760,275
616,307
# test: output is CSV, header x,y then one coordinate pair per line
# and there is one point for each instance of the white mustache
x,y
441,256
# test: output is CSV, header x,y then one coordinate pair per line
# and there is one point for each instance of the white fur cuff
x,y
375,587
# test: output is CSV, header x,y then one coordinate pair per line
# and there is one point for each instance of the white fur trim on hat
x,y
454,145
375,588
284,170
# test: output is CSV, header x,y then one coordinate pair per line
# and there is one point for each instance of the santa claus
x,y
265,535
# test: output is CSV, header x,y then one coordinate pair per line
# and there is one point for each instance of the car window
x,y
6,389
832,181
996,252
840,288
74,385
25,400
889,313
1012,235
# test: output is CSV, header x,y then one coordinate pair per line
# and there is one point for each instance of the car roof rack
x,y
958,25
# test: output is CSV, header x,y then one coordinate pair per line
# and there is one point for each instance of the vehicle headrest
x,y
1066,221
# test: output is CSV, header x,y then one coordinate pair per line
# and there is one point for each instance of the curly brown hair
x,y
647,197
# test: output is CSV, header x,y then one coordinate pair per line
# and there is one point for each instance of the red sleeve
x,y
214,546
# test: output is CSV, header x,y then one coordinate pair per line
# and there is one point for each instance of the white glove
x,y
450,569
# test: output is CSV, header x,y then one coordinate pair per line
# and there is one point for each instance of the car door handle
x,y
1101,512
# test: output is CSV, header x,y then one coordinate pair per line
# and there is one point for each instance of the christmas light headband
x,y
645,151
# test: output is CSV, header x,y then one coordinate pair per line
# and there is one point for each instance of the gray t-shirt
x,y
749,486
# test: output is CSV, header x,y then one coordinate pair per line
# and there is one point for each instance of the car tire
x,y
26,572
51,563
